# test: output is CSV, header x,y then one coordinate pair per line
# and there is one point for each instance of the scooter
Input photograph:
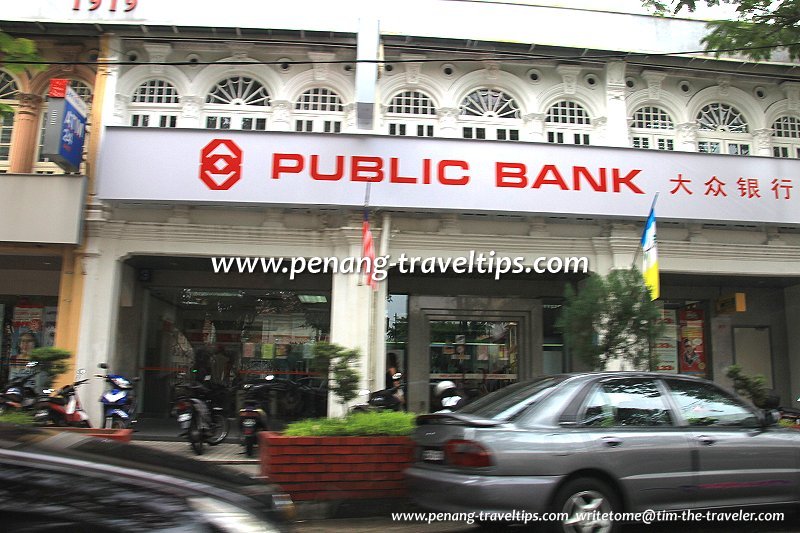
x,y
200,421
253,416
18,393
383,400
119,401
61,408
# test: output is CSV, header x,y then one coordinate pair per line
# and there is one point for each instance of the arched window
x,y
319,109
722,129
786,137
155,104
567,122
411,113
43,165
237,103
8,96
490,114
652,127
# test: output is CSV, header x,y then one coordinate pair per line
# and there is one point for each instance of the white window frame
x,y
568,128
9,89
238,112
319,110
652,128
722,129
411,114
495,115
786,137
155,104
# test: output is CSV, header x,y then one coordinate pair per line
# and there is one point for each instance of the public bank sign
x,y
291,169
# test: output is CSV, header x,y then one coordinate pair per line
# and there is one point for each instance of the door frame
x,y
527,312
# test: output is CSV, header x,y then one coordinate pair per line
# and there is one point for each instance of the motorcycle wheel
x,y
219,429
118,423
249,443
195,436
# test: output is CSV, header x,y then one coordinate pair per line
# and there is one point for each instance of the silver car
x,y
590,445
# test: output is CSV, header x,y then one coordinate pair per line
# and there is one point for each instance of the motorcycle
x,y
200,421
19,394
391,399
61,408
253,416
119,401
447,397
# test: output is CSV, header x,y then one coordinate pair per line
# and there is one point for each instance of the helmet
x,y
397,377
443,386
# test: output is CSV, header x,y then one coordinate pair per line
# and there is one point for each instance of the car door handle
x,y
611,442
706,440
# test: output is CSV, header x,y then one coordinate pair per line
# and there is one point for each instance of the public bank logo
x,y
220,164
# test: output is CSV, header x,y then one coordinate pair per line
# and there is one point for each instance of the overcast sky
x,y
625,6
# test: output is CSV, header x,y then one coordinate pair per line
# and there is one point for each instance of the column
x,y
616,110
25,137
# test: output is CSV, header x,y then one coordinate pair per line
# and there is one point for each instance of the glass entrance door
x,y
478,356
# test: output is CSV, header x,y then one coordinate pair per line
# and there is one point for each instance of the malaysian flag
x,y
368,251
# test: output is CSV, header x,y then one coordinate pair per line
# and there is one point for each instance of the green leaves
x,y
15,51
338,363
611,318
761,26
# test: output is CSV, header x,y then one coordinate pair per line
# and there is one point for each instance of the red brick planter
x,y
122,435
336,468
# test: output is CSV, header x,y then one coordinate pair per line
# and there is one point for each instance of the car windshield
x,y
509,401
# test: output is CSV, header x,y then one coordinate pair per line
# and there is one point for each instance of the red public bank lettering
x,y
516,175
371,169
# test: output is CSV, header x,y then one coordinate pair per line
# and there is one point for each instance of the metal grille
x,y
8,87
156,92
786,127
721,117
412,103
652,118
6,127
489,103
319,99
566,112
239,90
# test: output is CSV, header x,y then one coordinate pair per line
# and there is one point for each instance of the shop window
x,y
567,122
786,137
319,110
237,103
411,113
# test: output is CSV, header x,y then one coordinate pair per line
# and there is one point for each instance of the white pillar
x,y
616,109
98,322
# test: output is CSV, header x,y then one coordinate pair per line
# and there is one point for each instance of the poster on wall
x,y
26,332
50,317
667,343
691,344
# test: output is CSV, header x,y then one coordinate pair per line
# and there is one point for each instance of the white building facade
x,y
474,129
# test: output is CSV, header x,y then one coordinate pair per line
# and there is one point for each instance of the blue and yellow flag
x,y
650,253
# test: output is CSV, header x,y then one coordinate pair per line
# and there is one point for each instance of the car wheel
x,y
586,504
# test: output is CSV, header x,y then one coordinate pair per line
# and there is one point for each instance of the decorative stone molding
x,y
773,237
687,135
28,104
654,80
180,215
97,210
492,70
696,233
537,227
724,86
273,218
157,53
350,115
69,55
763,140
413,68
321,64
120,105
569,76
191,106
448,121
615,74
239,50
792,90
281,111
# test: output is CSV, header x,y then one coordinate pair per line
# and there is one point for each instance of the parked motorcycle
x,y
391,399
200,420
119,401
61,408
254,414
20,392
447,397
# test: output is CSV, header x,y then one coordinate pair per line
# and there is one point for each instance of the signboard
x,y
731,303
252,168
691,346
65,129
666,345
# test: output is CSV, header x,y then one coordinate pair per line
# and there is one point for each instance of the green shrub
x,y
53,361
21,418
354,425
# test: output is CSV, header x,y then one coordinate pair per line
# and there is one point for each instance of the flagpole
x,y
639,248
